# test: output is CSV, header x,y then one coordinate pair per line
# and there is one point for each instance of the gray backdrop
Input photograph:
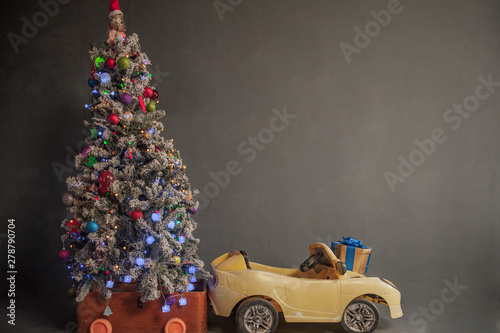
x,y
371,119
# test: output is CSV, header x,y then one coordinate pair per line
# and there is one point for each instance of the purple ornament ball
x,y
126,99
64,254
85,151
170,301
193,210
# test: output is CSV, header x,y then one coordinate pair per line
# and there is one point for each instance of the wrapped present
x,y
353,253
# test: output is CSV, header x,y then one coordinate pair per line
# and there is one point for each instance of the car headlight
x,y
212,283
388,282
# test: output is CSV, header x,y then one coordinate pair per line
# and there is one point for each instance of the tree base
x,y
129,315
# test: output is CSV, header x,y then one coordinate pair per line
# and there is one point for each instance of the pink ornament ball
x,y
64,254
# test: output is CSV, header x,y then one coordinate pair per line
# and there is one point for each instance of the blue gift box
x,y
353,253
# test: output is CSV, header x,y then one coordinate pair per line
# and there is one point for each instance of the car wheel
x,y
256,316
360,316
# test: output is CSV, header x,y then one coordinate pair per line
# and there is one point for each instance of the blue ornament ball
x,y
92,226
91,83
105,78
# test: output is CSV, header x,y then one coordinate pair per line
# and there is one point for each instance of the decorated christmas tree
x,y
131,203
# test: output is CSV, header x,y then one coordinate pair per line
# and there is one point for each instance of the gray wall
x,y
319,177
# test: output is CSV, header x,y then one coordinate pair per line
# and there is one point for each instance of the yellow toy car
x,y
321,290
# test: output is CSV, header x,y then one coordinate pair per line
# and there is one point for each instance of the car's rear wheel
x,y
256,315
360,316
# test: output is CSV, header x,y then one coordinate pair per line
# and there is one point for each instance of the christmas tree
x,y
131,202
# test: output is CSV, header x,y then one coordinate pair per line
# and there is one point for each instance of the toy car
x,y
321,290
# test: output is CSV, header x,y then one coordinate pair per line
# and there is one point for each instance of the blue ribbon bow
x,y
351,241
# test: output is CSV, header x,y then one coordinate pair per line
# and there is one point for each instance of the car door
x,y
313,297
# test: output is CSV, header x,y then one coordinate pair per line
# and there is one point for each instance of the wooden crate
x,y
130,315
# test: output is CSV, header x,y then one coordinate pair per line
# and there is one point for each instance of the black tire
x,y
360,316
256,315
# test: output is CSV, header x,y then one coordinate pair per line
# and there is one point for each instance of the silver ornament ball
x,y
67,199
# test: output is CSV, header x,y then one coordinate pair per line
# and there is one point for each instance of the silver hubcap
x,y
258,319
359,317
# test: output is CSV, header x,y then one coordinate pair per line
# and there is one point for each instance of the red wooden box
x,y
129,315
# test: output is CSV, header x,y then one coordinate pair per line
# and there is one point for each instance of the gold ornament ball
x,y
183,167
128,115
177,260
142,66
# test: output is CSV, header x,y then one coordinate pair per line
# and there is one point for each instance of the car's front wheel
x,y
360,316
256,315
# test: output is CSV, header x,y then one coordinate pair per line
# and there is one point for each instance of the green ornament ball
x,y
72,292
151,106
99,62
124,63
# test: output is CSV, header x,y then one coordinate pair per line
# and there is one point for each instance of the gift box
x,y
353,253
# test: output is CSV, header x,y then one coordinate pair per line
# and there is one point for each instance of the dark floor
x,y
485,318
38,323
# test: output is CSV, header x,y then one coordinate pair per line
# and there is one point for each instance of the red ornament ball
x,y
103,190
148,92
105,178
64,254
135,215
155,95
113,119
110,63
